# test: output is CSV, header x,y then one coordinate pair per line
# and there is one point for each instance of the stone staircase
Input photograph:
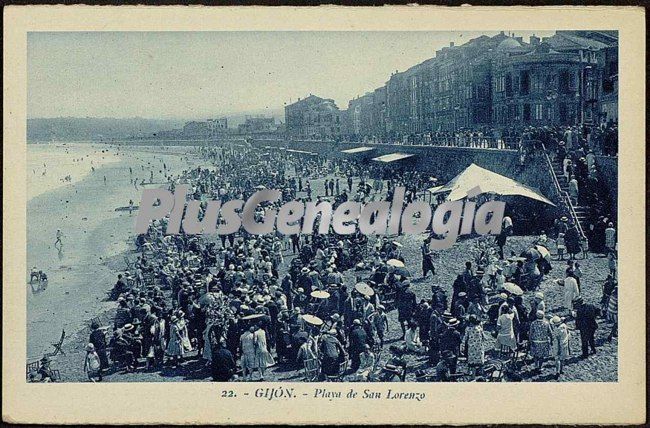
x,y
582,211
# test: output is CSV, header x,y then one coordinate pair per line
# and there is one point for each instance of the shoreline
x,y
95,237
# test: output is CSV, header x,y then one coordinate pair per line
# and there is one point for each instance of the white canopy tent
x,y
488,182
357,150
393,157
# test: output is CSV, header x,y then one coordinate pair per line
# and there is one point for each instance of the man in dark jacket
x,y
331,353
435,328
406,303
223,363
98,339
450,340
427,258
358,342
586,314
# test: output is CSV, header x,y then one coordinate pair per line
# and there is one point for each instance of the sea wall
x,y
446,162
608,177
441,162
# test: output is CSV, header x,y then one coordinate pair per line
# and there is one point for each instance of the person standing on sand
x,y
560,349
262,355
92,365
427,258
59,236
249,361
98,340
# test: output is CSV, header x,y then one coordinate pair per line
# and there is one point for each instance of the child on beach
x,y
560,246
92,364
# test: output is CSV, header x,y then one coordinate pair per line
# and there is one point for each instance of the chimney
x,y
451,44
519,39
534,40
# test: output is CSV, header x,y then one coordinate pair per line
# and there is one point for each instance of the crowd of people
x,y
602,139
322,304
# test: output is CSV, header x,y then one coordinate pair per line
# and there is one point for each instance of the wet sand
x,y
79,275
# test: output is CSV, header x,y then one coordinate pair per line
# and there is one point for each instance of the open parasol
x,y
397,244
513,288
312,319
543,251
395,263
320,294
260,187
532,254
364,289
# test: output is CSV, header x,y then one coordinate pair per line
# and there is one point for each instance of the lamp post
x,y
583,77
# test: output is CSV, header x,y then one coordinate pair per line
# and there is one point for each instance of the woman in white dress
x,y
262,355
248,359
505,330
560,347
179,342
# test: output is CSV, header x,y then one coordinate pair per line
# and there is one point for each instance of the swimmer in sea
x,y
104,180
130,206
34,275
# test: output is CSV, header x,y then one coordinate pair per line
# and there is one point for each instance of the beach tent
x,y
488,182
357,150
436,189
393,157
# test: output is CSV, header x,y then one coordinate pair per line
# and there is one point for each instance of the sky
x,y
199,75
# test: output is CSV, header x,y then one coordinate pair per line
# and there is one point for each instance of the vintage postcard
x,y
395,215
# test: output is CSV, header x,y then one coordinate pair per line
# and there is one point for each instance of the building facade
x,y
217,126
314,117
258,125
495,82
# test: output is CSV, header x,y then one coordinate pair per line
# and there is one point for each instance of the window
x,y
524,82
527,112
539,110
564,80
563,113
537,82
508,85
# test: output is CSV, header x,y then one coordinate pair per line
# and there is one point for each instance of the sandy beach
x,y
97,238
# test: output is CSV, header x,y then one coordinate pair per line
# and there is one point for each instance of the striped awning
x,y
393,157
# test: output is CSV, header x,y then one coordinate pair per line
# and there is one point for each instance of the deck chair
x,y
58,345
520,355
129,263
96,320
32,368
311,370
494,370
343,368
56,376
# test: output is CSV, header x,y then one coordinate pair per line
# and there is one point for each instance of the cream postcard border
x,y
570,403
